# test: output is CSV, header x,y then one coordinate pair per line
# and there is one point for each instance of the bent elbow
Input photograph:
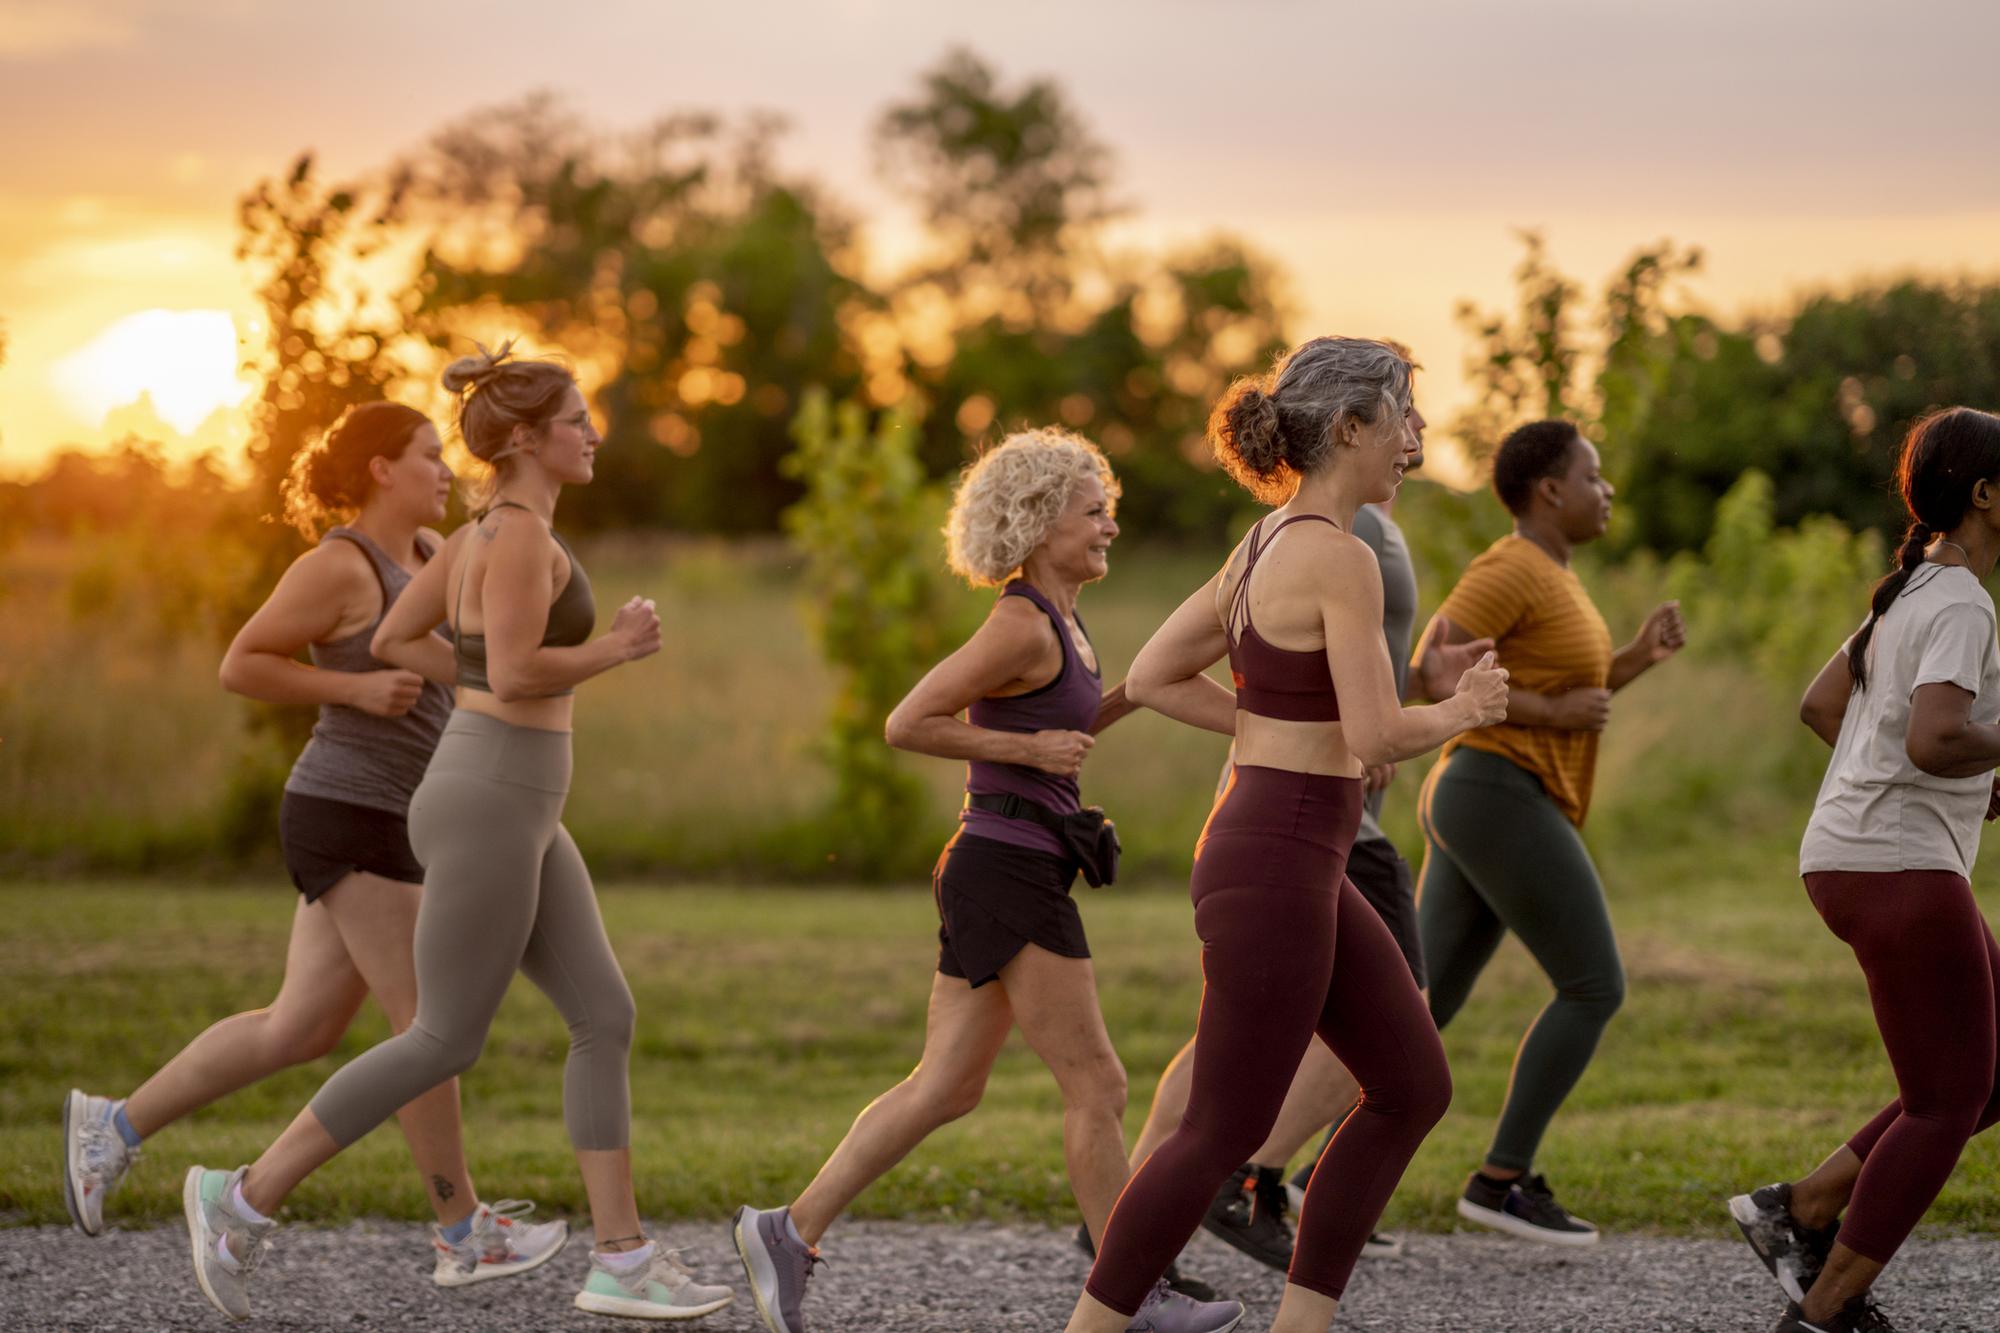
x,y
898,730
1928,756
230,674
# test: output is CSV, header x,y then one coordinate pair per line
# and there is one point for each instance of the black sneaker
x,y
1526,1208
1249,1214
1793,1252
1191,1287
1860,1315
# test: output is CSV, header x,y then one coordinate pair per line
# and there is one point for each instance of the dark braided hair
x,y
1945,455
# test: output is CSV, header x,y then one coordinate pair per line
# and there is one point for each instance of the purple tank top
x,y
1067,703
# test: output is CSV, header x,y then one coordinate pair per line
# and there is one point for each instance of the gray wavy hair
x,y
1271,430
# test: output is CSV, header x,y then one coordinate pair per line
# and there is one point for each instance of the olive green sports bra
x,y
572,617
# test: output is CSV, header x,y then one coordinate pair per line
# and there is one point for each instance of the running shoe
x,y
95,1158
661,1289
778,1264
1379,1245
1860,1315
1186,1284
1793,1252
501,1244
1526,1208
226,1248
1167,1311
1248,1214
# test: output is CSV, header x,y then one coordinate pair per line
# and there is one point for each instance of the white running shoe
x,y
226,1248
661,1289
500,1244
95,1158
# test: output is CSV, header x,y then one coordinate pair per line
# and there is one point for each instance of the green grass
x,y
768,1017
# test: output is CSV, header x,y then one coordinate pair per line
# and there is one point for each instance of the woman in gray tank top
x,y
342,827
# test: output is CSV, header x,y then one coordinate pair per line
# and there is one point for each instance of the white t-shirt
x,y
1876,810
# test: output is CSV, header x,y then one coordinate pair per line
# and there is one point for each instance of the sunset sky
x,y
1382,154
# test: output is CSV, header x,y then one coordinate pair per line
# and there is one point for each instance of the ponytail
x,y
1916,538
1945,456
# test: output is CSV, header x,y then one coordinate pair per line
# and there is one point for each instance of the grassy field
x,y
769,1016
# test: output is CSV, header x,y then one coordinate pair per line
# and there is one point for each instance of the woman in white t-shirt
x,y
1911,706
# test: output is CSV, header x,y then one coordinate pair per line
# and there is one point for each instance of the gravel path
x,y
911,1278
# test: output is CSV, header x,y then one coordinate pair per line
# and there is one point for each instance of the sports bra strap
x,y
1239,601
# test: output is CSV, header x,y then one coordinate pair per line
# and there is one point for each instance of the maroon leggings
x,y
1933,974
1289,948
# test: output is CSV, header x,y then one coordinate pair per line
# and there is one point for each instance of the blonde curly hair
x,y
1009,498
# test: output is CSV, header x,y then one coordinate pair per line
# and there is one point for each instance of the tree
x,y
696,289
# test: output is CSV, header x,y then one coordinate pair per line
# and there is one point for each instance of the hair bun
x,y
1251,420
469,372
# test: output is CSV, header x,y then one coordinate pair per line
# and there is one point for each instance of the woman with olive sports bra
x,y
504,886
1322,435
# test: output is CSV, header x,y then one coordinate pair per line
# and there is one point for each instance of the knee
x,y
1098,1087
618,1021
1419,1095
947,1099
1598,995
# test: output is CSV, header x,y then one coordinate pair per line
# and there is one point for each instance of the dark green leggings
x,y
1499,856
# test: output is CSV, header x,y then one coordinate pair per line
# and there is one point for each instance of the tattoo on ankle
x,y
443,1187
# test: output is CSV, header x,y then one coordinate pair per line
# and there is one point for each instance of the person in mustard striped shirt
x,y
1502,810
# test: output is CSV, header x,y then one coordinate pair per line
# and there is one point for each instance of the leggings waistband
x,y
481,746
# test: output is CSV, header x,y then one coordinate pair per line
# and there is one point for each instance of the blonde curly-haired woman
x,y
1034,517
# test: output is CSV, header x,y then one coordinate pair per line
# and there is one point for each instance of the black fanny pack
x,y
1092,838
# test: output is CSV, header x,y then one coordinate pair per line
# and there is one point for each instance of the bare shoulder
x,y
330,568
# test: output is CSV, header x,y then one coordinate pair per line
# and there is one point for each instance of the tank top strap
x,y
1023,588
388,573
1239,602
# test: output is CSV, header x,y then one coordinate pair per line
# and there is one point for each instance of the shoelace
x,y
1536,1187
100,1146
255,1247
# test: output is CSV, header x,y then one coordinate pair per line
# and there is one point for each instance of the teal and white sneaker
x,y
226,1248
95,1158
661,1288
501,1244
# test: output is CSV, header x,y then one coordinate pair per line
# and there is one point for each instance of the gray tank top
x,y
354,756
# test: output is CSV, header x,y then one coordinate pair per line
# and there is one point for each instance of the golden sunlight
x,y
185,361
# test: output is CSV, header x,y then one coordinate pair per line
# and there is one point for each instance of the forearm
x,y
430,657
274,679
1199,701
1418,730
1529,709
1965,752
1631,662
546,671
1113,706
945,737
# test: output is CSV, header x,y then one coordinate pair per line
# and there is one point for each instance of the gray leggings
x,y
1499,856
504,889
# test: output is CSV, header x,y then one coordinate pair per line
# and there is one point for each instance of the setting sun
x,y
185,361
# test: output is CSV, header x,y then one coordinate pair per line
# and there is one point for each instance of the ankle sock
x,y
1496,1182
627,1261
458,1231
124,1127
241,1206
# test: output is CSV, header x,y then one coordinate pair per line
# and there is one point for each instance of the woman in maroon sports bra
x,y
1298,611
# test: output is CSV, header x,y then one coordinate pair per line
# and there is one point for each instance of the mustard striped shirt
x,y
1549,636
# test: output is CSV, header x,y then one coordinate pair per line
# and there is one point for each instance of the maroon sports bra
x,y
1282,683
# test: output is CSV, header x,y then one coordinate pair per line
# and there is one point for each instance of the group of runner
x,y
422,828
